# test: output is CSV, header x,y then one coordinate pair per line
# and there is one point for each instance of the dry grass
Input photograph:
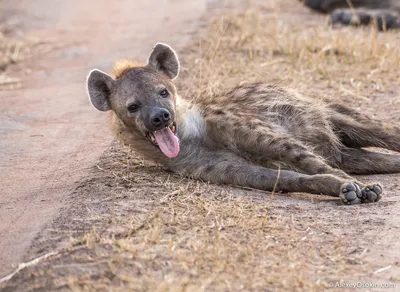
x,y
270,43
11,52
153,231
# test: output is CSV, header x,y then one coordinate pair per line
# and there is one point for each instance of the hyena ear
x,y
99,86
163,58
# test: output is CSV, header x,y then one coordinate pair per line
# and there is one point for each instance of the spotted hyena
x,y
385,13
255,135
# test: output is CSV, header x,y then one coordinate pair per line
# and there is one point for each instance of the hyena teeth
x,y
151,138
173,127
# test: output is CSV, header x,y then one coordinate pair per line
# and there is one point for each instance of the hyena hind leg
x,y
356,131
360,161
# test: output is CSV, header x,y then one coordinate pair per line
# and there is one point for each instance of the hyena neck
x,y
189,119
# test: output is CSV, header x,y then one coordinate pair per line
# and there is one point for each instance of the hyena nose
x,y
160,118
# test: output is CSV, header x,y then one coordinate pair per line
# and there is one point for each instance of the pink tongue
x,y
167,142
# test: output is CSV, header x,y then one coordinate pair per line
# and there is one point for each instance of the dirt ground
x,y
50,134
130,225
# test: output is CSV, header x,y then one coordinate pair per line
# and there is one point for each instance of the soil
x,y
114,220
50,134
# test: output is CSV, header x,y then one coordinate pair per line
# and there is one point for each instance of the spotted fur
x,y
254,135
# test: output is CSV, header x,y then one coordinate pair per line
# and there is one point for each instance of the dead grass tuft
x,y
10,53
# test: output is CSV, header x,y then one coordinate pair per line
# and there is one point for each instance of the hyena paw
x,y
383,20
350,194
371,193
347,17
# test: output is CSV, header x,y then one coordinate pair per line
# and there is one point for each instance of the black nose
x,y
160,118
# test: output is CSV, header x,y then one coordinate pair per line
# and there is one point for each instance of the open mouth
x,y
166,140
152,137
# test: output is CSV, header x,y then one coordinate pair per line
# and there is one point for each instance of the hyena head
x,y
143,97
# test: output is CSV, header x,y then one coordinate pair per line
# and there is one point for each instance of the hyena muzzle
x,y
384,13
255,135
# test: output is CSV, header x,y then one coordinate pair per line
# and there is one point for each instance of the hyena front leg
x,y
224,167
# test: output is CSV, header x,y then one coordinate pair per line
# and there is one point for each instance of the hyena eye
x,y
164,93
133,108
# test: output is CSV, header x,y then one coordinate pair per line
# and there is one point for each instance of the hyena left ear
x,y
163,58
99,87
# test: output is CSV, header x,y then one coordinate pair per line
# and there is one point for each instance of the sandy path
x,y
49,134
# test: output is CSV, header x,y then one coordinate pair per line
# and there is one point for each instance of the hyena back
x,y
255,135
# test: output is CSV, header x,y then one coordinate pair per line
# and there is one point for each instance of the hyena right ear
x,y
99,86
163,58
